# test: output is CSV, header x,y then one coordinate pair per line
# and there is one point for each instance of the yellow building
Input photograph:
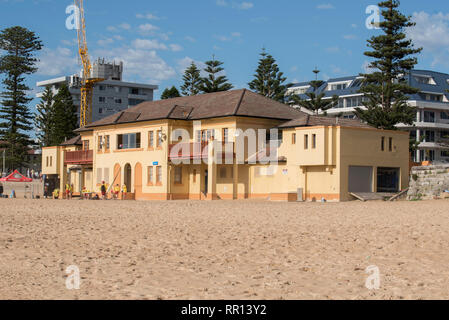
x,y
214,146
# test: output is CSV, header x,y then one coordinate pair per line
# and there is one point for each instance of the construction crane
x,y
87,82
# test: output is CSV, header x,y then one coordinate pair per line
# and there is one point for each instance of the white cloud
x,y
350,37
225,38
57,62
147,28
190,39
105,42
148,44
325,6
125,26
148,16
431,32
245,5
140,64
175,47
185,62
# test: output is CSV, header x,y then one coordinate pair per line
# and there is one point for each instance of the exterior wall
x,y
362,147
50,160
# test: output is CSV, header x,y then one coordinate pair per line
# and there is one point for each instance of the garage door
x,y
388,179
360,179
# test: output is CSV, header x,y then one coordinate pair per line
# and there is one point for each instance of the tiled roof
x,y
313,121
76,141
242,103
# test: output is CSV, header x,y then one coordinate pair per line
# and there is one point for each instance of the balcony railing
x,y
197,150
79,157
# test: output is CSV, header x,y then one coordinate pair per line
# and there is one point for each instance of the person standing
x,y
124,192
103,191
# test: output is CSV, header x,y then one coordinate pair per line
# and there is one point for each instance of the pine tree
x,y
170,93
315,102
19,46
386,89
43,118
268,79
214,82
63,117
192,81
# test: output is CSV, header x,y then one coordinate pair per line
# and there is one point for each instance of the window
x,y
118,100
47,162
223,173
51,161
159,175
85,145
383,144
444,115
198,136
100,143
429,116
338,86
100,110
194,176
314,141
445,154
294,138
106,175
133,90
151,139
150,175
225,135
128,141
444,134
390,144
306,141
107,142
118,89
135,102
178,175
430,136
159,138
99,175
424,80
102,88
102,99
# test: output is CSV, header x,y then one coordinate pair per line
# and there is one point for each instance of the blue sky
x,y
158,39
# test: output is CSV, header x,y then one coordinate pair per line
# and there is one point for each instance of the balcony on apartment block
x,y
79,157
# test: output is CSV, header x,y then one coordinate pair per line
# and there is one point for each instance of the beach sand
x,y
223,250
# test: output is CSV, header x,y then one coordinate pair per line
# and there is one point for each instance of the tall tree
x,y
192,81
268,80
43,120
214,82
315,102
63,117
19,46
170,93
386,88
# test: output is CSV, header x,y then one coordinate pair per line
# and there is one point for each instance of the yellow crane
x,y
87,82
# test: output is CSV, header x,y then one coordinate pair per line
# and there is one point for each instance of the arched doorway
x,y
127,177
138,180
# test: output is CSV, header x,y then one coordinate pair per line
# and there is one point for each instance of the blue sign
x,y
155,163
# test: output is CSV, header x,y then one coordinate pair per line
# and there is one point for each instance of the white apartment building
x,y
109,96
431,127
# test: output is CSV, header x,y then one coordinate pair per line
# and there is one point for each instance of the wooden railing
x,y
79,157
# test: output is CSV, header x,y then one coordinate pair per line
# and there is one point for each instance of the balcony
x,y
197,150
79,157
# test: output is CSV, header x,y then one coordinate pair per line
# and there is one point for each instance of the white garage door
x,y
360,179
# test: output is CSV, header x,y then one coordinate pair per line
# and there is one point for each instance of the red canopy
x,y
16,176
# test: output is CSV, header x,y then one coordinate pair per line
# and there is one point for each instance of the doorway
x,y
206,182
127,177
388,180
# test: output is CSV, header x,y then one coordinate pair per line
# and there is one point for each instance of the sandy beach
x,y
223,250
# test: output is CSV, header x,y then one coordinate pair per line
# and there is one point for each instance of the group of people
x,y
87,195
115,191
